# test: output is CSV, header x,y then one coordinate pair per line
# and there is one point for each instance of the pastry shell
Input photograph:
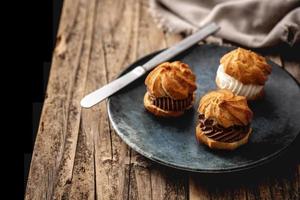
x,y
246,66
202,138
226,108
172,80
175,80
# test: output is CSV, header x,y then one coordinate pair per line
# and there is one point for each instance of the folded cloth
x,y
251,23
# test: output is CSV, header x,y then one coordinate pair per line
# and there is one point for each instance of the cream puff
x,y
243,72
224,120
170,89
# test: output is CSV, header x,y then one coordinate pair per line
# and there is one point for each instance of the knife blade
x,y
114,86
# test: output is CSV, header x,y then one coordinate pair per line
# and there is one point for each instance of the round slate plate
x,y
172,141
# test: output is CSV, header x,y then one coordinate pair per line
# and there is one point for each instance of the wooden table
x,y
77,154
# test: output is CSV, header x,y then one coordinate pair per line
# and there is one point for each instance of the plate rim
x,y
239,168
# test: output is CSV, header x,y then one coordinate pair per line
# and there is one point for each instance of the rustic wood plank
x,y
264,190
282,180
52,162
146,181
115,33
248,185
196,190
296,182
149,180
83,182
63,184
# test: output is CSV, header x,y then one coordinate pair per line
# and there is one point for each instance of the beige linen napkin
x,y
251,23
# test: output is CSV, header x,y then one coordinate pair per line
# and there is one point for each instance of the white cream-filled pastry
x,y
243,72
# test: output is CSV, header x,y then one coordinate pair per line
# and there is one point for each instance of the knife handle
x,y
181,46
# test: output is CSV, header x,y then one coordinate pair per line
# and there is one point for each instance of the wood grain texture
x,y
77,154
148,180
112,157
54,152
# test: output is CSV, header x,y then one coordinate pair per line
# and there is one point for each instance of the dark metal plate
x,y
172,142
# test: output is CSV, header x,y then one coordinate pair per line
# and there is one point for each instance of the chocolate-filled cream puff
x,y
243,72
224,120
170,89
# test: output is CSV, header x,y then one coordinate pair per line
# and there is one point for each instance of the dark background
x,y
45,21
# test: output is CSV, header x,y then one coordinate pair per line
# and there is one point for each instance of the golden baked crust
x,y
246,66
201,137
226,108
175,80
160,112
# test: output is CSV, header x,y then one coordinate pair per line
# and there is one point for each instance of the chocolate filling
x,y
214,131
168,104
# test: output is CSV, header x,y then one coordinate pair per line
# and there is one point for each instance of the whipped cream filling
x,y
225,81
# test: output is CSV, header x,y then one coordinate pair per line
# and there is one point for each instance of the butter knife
x,y
114,86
